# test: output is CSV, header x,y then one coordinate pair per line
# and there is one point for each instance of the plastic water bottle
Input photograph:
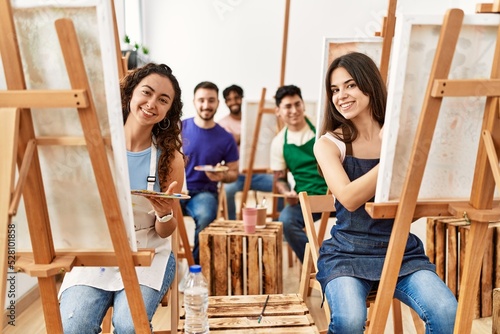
x,y
196,302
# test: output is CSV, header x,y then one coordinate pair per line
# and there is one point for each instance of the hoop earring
x,y
165,127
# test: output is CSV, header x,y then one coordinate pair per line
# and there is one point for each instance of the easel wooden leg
x,y
475,249
48,291
495,329
492,156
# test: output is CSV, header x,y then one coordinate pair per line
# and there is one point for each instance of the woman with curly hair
x,y
152,108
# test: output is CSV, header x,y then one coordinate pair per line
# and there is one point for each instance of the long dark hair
x,y
167,140
367,76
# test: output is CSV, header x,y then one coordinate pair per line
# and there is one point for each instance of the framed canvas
x,y
450,166
335,47
73,200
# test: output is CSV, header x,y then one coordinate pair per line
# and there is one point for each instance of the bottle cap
x,y
195,268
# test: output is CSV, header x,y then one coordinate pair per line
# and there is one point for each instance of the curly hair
x,y
167,140
367,76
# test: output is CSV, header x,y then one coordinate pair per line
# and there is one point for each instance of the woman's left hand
x,y
162,205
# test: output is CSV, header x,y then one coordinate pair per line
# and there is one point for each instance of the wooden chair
x,y
325,205
222,206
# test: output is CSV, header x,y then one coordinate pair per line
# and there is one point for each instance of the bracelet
x,y
165,218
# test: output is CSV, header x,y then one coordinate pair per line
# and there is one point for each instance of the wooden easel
x,y
480,209
18,139
388,25
262,110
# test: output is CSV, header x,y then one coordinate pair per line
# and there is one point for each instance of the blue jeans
x,y
423,291
202,207
293,228
260,182
83,307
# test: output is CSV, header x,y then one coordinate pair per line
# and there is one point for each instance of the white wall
x,y
238,41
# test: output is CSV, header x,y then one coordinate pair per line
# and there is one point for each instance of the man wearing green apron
x,y
292,150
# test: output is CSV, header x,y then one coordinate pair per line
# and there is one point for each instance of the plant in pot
x,y
143,55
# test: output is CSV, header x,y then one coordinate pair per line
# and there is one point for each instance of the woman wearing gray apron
x,y
351,261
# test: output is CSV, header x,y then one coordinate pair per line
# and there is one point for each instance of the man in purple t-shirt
x,y
204,142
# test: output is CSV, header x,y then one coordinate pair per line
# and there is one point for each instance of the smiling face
x,y
206,103
347,98
291,110
233,102
151,100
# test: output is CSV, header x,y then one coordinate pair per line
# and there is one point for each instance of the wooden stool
x,y
284,314
236,263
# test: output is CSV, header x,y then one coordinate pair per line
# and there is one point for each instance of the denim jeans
x,y
293,228
202,207
422,290
83,307
260,182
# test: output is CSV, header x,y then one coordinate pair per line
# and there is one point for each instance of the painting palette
x,y
210,168
149,193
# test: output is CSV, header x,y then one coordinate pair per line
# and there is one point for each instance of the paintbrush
x,y
263,309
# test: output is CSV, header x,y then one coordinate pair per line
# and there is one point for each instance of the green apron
x,y
302,164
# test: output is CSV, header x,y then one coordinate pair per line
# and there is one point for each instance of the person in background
x,y
350,262
204,142
292,151
233,95
152,108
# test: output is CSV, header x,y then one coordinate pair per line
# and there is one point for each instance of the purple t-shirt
x,y
205,147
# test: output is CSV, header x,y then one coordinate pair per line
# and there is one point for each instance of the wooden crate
x,y
237,263
284,314
445,246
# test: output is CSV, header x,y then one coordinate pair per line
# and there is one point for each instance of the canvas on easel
x,y
69,182
480,209
450,165
54,167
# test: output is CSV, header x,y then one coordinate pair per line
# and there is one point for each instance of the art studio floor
x,y
32,320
